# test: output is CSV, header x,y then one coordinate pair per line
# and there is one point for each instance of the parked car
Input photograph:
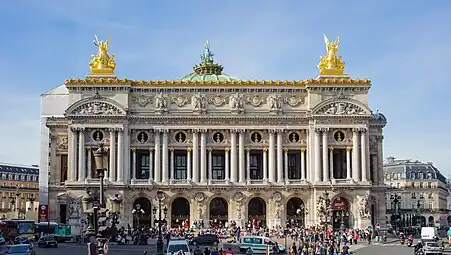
x,y
20,249
207,239
47,241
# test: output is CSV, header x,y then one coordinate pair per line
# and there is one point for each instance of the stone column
x,y
81,156
112,168
133,164
380,159
355,155
72,155
127,150
120,156
317,156
172,173
233,154
195,156
188,163
302,164
89,176
248,164
325,156
331,162
241,170
285,164
227,164
364,155
348,163
164,158
156,168
55,175
151,167
203,157
265,164
279,156
272,157
210,164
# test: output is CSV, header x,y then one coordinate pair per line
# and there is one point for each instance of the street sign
x,y
43,213
378,226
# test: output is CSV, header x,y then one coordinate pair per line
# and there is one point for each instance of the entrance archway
x,y
257,211
295,212
340,213
431,221
180,212
218,212
141,211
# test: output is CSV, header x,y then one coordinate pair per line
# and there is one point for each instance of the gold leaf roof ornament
x,y
102,63
331,64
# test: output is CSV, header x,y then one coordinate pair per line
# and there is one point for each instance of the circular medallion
x,y
97,136
200,197
294,137
256,137
180,137
142,137
218,137
277,196
339,136
238,197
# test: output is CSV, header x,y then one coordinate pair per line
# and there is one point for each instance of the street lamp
x,y
160,198
87,204
324,208
137,213
343,214
418,213
115,211
98,157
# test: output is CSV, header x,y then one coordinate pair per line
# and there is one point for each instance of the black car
x,y
208,239
47,241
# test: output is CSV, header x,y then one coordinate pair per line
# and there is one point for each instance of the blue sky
x,y
404,47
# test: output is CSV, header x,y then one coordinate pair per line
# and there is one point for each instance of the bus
x,y
61,232
24,228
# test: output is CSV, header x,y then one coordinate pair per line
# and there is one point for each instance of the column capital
x,y
73,129
210,149
188,149
303,149
226,149
280,131
151,149
285,149
161,130
331,149
265,149
134,149
89,149
171,149
348,148
272,131
248,149
321,129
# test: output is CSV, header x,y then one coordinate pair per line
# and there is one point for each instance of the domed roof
x,y
207,70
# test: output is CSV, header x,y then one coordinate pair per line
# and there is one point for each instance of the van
x,y
428,233
258,244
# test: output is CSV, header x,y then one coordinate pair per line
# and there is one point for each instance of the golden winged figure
x,y
102,62
331,64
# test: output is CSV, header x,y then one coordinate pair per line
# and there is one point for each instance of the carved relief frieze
x,y
218,100
373,144
255,100
199,103
294,100
161,103
180,100
97,108
142,100
236,103
275,103
61,142
341,108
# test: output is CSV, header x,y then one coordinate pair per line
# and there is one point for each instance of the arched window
x,y
429,175
412,175
420,175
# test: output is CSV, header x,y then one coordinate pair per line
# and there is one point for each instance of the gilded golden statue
x,y
102,62
331,64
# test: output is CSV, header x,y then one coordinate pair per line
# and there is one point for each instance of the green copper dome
x,y
207,70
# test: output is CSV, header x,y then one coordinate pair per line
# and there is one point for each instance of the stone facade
x,y
261,150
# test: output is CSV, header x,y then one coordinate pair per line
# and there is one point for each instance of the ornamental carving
x,y
294,100
199,103
373,143
238,197
161,102
236,103
275,103
341,108
61,142
142,100
277,197
180,100
97,108
218,100
255,100
364,206
200,197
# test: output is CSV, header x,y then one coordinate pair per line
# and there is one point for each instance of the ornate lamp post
x,y
418,213
87,204
160,198
99,155
137,213
343,214
396,203
324,209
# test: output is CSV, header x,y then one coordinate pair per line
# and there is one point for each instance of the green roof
x,y
207,70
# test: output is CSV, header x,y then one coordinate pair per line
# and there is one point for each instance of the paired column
x,y
112,168
302,164
81,156
227,164
365,154
233,159
133,164
89,170
241,169
203,157
248,164
157,169
126,151
164,158
210,164
72,154
325,156
188,163
355,155
331,162
285,163
265,164
172,177
348,163
151,167
120,156
195,156
272,156
279,156
317,155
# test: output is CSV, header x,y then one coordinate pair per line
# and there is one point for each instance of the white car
x,y
432,248
177,246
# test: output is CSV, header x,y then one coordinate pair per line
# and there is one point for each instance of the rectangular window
x,y
256,165
421,196
180,165
294,166
63,168
143,166
217,165
414,195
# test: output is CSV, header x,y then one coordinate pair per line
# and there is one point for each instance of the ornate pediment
x,y
96,106
340,107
